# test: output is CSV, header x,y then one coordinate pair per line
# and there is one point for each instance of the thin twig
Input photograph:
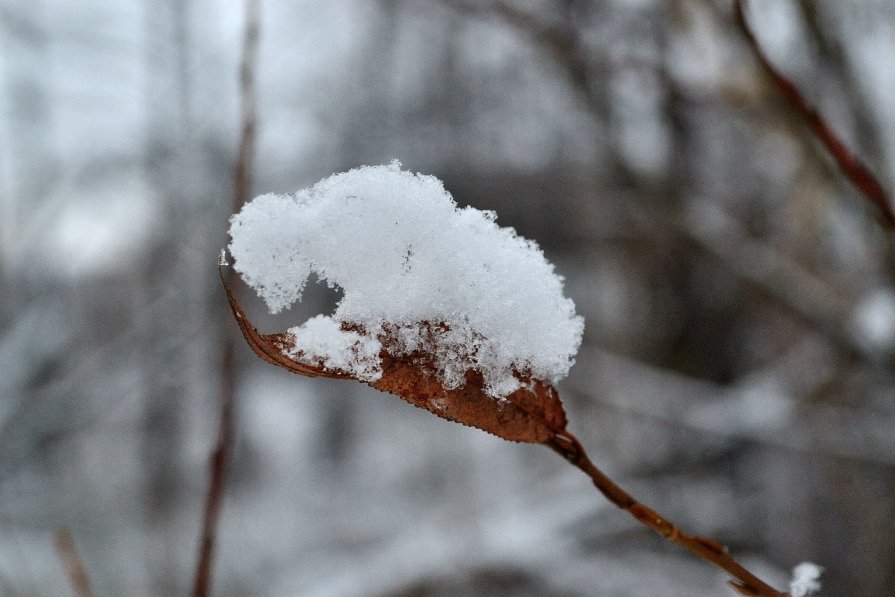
x,y
850,166
74,567
241,188
219,460
746,583
560,42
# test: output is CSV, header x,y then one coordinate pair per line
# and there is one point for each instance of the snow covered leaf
x,y
272,347
532,413
441,305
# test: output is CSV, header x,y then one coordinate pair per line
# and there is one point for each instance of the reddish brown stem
x,y
220,458
850,166
74,567
746,583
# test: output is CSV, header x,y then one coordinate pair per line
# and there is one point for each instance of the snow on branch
x,y
441,307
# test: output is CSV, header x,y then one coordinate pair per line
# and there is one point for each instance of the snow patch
x,y
805,579
414,267
321,340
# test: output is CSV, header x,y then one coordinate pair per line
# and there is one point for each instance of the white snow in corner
x,y
805,579
403,252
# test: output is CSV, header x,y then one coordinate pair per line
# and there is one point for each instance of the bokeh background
x,y
737,368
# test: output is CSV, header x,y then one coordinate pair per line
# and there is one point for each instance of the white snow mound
x,y
403,253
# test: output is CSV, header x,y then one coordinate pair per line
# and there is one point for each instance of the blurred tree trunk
x,y
28,157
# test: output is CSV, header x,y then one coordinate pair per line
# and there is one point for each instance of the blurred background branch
x,y
74,568
242,182
851,167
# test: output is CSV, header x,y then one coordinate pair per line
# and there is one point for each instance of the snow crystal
x,y
804,579
320,340
415,268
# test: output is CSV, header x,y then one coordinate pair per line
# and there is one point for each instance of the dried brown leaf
x,y
533,413
271,347
743,589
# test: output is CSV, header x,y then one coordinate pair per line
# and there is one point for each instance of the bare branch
x,y
746,583
241,187
74,567
850,166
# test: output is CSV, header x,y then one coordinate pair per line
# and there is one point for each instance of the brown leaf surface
x,y
532,413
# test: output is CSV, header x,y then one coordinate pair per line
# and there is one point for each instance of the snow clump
x,y
417,272
805,579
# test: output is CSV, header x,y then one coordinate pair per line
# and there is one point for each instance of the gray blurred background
x,y
737,368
